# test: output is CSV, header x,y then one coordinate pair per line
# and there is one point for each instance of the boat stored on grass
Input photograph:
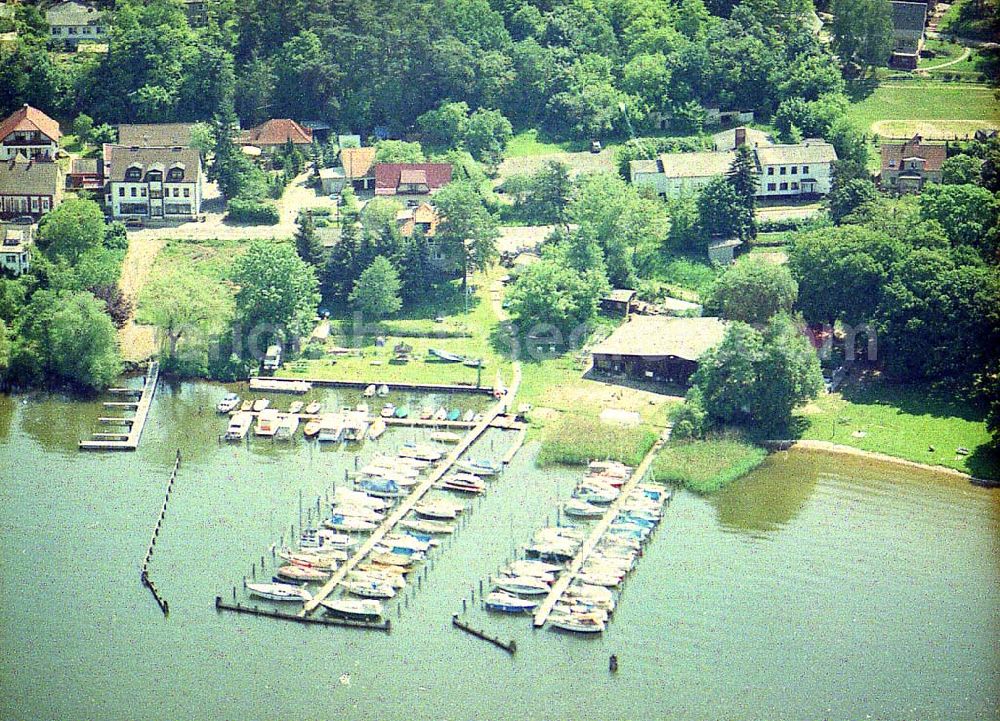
x,y
228,403
370,391
446,356
376,429
312,428
296,407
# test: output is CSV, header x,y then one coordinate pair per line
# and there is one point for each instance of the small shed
x,y
723,252
618,301
331,180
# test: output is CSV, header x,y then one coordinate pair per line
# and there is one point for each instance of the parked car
x,y
23,220
595,146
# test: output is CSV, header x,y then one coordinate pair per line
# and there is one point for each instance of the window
x,y
795,186
795,170
133,173
892,180
142,191
72,31
34,205
177,192
56,31
771,186
121,192
133,192
770,171
45,205
805,169
187,192
783,186
154,176
175,175
86,30
783,170
156,194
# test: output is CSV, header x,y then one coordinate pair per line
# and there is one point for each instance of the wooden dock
x,y
401,386
567,576
501,421
135,423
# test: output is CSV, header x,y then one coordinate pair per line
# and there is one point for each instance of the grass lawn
x,y
528,142
944,51
972,106
708,465
903,422
578,439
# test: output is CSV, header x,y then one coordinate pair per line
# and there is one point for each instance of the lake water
x,y
818,587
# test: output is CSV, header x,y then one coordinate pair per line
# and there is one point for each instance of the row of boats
x,y
588,600
381,574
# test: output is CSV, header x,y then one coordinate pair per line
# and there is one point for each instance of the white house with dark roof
x,y
72,22
15,248
153,183
674,174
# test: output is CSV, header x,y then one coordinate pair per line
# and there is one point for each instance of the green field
x,y
528,142
927,101
909,423
577,439
708,465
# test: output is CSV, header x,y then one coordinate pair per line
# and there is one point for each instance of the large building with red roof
x,y
907,167
411,178
276,133
29,132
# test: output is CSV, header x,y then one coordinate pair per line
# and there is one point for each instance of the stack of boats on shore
x,y
588,601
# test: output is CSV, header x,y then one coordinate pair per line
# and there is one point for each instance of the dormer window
x,y
175,175
154,176
133,173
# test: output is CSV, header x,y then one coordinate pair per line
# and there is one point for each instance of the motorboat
x,y
426,413
582,509
267,422
314,408
260,404
479,467
577,623
437,510
370,589
527,585
228,403
608,580
546,577
629,518
596,493
420,453
370,391
441,414
247,405
303,573
376,429
351,524
324,561
390,549
445,356
454,414
532,568
393,559
593,594
380,569
561,533
312,428
388,410
354,609
473,362
296,407
427,526
346,496
396,580
609,468
402,412
445,437
380,487
463,483
507,603
323,539
412,542
360,512
239,426
279,592
393,462
383,391
550,552
287,425
355,426
331,428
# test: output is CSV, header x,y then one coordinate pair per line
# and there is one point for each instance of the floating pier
x,y
508,646
136,423
434,387
518,442
144,572
221,605
567,576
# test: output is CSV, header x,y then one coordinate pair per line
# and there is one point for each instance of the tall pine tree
x,y
742,176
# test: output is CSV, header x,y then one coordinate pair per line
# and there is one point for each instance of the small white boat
x,y
445,437
480,468
279,592
532,568
421,453
352,524
296,407
468,416
355,426
302,573
507,603
363,408
582,509
383,390
437,510
388,410
321,539
370,391
331,428
239,426
396,580
546,577
393,462
370,589
594,594
260,404
313,408
312,428
399,469
267,422
287,425
323,561
609,468
247,405
362,512
376,429
441,414
596,493
380,569
393,559
578,623
356,498
426,413
526,585
228,403
608,580
463,483
354,609
427,526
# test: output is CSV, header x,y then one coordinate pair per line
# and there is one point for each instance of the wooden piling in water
x,y
508,646
144,574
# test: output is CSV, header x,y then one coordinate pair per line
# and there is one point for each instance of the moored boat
x,y
323,561
479,467
526,585
388,410
420,453
370,589
296,407
468,416
582,509
376,429
577,623
383,390
437,510
454,414
313,408
303,573
279,592
267,422
312,428
247,405
445,437
463,483
508,603
370,391
427,526
321,539
228,403
348,497
532,568
441,414
340,522
380,487
353,609
239,426
402,412
287,425
331,428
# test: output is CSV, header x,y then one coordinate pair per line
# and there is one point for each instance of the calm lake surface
x,y
819,587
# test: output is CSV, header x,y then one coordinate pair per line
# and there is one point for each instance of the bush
x,y
248,210
706,466
577,440
115,238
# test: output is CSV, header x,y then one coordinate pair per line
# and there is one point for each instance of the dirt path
x,y
138,342
965,54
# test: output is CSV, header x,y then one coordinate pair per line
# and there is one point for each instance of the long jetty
x,y
399,386
565,578
126,441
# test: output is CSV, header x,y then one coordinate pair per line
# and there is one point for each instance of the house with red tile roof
x,y
29,132
276,133
411,178
907,167
359,167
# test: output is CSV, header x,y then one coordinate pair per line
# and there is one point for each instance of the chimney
x,y
741,136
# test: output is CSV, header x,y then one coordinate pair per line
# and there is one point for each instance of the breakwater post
x,y
144,571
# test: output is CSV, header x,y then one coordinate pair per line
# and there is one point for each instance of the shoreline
x,y
840,449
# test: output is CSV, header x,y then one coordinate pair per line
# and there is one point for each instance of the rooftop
x,y
726,140
810,151
29,118
121,158
357,162
277,131
909,16
20,176
894,153
155,134
72,13
704,164
388,176
663,336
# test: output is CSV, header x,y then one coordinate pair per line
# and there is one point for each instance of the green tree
x,y
719,209
862,31
376,292
417,274
961,170
752,291
466,226
203,138
550,193
307,243
183,307
485,134
968,213
549,293
683,236
689,419
759,377
742,176
82,127
847,198
73,227
277,291
398,151
442,125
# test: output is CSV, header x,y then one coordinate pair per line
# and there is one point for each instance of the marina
x,y
130,440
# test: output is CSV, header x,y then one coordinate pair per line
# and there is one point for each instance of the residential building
x,y
908,21
155,135
85,174
15,248
411,178
29,132
804,168
618,302
153,183
425,217
275,134
29,187
657,348
907,167
331,180
72,22
799,169
359,167
735,137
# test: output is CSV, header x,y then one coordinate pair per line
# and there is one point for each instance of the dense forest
x,y
578,68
